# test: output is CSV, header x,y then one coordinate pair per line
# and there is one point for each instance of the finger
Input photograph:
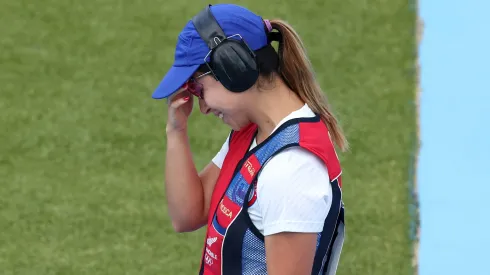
x,y
179,102
181,92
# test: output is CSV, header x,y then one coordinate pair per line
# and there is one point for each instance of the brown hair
x,y
297,72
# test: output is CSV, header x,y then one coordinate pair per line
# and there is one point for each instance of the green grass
x,y
82,142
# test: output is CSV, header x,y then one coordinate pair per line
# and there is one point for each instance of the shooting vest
x,y
233,245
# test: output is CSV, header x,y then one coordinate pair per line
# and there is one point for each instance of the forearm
x,y
184,190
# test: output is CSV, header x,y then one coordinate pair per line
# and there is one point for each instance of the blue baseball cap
x,y
191,49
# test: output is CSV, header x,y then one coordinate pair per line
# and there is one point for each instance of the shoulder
x,y
295,162
294,192
219,158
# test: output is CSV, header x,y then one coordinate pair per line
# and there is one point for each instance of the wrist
x,y
176,138
170,131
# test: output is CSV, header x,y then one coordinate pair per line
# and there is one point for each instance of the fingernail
x,y
186,98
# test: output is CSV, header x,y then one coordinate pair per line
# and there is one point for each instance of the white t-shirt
x,y
293,189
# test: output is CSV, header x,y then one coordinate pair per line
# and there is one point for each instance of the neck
x,y
273,105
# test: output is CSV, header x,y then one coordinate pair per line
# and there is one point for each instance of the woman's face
x,y
229,106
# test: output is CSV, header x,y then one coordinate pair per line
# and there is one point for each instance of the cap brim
x,y
173,80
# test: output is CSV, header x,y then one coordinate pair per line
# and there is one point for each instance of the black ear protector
x,y
232,61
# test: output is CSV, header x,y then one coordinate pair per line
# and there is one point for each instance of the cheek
x,y
232,108
213,94
218,98
214,101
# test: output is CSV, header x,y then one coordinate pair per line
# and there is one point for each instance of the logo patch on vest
x,y
212,252
210,241
250,168
227,211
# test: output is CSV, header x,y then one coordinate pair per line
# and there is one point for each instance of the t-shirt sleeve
x,y
220,156
294,193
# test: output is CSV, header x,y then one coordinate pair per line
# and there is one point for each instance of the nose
x,y
204,107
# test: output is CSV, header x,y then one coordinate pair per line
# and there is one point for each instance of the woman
x,y
273,190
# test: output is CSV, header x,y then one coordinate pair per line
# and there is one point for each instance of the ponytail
x,y
296,71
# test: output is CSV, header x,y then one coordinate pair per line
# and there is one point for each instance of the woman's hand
x,y
179,109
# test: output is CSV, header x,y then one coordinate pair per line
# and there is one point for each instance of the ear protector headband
x,y
231,61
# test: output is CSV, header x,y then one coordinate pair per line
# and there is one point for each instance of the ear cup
x,y
234,65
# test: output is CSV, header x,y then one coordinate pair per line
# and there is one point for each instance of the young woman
x,y
271,197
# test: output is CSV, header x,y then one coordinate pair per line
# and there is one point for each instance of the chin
x,y
236,124
237,127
